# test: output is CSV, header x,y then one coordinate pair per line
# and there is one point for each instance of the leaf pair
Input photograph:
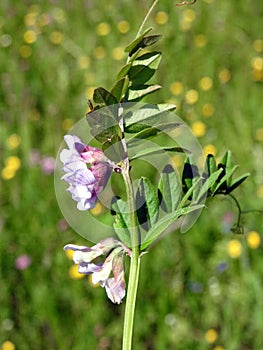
x,y
155,210
216,179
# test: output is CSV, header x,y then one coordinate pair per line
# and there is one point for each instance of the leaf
x,y
135,42
170,189
122,220
228,165
164,223
120,88
124,71
103,96
190,171
113,149
137,92
148,114
147,203
103,124
156,149
143,68
210,164
208,185
237,182
146,41
189,193
148,132
220,188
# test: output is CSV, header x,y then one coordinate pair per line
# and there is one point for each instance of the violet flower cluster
x,y
110,273
87,171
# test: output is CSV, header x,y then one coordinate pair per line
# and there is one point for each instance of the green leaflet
x,y
164,223
170,189
147,115
122,220
147,204
137,92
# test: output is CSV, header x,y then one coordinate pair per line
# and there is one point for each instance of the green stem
x,y
135,234
140,31
134,266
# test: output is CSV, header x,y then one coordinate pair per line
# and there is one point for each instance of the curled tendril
x,y
186,2
238,227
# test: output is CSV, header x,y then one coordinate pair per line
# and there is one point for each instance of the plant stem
x,y
134,266
146,18
135,234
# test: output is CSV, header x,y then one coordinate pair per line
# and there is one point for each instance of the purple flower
x,y
110,273
87,171
47,165
22,262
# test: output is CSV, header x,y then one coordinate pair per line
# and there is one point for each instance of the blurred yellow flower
x,y
189,15
83,62
198,128
123,26
8,345
187,18
234,248
206,83
176,88
97,210
211,336
209,149
258,45
257,75
13,141
13,162
259,134
30,36
224,75
67,124
8,173
257,63
161,17
25,51
74,273
200,40
30,19
260,191
253,239
56,37
103,29
59,14
191,96
208,110
118,53
99,52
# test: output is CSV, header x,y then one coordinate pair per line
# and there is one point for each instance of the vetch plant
x,y
119,130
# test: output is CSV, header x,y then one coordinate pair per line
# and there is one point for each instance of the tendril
x,y
186,2
238,228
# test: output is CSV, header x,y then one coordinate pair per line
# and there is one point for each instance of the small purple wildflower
x,y
47,165
108,273
87,171
22,262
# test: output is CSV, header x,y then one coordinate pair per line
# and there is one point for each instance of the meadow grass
x,y
200,290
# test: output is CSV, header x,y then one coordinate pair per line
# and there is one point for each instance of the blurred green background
x,y
200,290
